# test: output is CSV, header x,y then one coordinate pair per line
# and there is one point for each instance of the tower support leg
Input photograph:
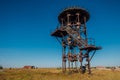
x,y
69,65
89,69
63,66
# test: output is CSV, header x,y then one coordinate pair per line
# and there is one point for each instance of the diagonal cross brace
x,y
79,41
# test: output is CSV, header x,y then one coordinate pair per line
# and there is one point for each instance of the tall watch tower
x,y
77,48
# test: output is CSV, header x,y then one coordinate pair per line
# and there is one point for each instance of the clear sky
x,y
25,27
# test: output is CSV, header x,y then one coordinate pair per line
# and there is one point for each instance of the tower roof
x,y
73,10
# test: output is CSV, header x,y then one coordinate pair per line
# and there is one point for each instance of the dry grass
x,y
56,74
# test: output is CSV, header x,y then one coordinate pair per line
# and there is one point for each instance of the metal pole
x,y
62,22
89,69
62,58
80,57
68,20
85,32
69,65
69,57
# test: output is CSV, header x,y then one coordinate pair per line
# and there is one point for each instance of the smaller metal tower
x,y
76,46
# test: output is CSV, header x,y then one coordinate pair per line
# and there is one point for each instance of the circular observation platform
x,y
73,11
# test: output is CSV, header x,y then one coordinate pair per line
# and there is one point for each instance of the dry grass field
x,y
56,74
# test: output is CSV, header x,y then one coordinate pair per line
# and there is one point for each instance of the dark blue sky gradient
x,y
25,27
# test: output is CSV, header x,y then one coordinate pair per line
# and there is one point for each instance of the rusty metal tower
x,y
77,48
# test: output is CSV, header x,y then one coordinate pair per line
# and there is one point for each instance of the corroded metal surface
x,y
72,35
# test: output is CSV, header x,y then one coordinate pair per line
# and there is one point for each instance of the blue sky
x,y
25,27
